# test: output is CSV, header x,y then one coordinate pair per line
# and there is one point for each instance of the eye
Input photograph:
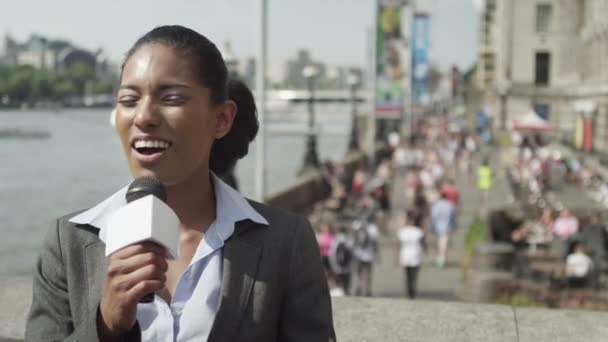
x,y
128,101
174,99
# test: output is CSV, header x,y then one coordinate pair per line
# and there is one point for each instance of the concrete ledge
x,y
381,319
15,300
309,189
363,319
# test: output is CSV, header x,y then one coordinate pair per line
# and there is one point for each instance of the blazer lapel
x,y
241,259
95,268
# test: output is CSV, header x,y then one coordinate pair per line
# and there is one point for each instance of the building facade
x,y
550,56
43,53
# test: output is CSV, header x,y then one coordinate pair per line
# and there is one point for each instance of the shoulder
x,y
282,224
69,234
277,216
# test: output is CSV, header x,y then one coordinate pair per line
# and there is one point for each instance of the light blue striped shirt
x,y
190,314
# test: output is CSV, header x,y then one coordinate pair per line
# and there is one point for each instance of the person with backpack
x,y
341,259
365,251
411,238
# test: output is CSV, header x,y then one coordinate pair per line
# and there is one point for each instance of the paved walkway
x,y
434,283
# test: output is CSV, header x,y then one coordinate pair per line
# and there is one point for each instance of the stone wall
x,y
309,188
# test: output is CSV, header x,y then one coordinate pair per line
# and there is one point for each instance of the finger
x,y
143,288
138,248
125,282
118,267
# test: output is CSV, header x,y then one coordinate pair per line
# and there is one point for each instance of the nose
x,y
147,115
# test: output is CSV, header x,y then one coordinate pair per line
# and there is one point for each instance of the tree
x,y
63,89
20,83
101,87
80,73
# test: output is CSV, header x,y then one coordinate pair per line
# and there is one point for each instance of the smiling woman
x,y
245,271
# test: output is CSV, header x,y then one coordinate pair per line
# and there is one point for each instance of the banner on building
x,y
421,96
390,61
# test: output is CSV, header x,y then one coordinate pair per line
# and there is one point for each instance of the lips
x,y
149,150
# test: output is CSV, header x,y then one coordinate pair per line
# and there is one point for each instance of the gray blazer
x,y
273,287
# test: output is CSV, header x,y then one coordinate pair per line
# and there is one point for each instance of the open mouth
x,y
150,147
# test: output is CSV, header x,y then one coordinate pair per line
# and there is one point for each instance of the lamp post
x,y
260,88
311,158
354,81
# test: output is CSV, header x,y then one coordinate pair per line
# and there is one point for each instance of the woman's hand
x,y
133,272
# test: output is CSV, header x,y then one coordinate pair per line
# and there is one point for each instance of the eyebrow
x,y
161,87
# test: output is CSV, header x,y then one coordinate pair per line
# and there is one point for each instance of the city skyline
x,y
454,27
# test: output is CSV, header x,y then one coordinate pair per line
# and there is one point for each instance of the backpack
x,y
362,238
344,254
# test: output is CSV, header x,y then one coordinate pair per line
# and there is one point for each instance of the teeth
x,y
151,144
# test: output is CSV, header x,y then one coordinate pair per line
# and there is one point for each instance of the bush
x,y
476,234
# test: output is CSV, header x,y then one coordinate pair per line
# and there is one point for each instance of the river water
x,y
73,160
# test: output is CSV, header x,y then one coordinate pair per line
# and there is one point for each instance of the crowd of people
x,y
357,214
575,236
419,176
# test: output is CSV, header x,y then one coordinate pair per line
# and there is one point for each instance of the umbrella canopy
x,y
531,122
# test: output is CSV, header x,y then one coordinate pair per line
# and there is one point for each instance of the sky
x,y
335,31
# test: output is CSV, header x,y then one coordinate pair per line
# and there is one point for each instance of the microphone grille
x,y
144,186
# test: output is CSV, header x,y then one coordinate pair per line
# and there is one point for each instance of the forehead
x,y
154,63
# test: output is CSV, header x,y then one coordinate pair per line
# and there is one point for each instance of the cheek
x,y
122,130
196,135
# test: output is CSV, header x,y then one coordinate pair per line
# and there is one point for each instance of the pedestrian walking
x,y
326,238
484,180
411,238
341,259
366,252
443,222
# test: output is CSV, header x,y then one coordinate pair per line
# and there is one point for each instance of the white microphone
x,y
146,217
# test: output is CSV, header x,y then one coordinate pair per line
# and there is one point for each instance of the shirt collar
x,y
231,207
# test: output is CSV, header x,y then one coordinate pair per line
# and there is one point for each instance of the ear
x,y
113,118
224,118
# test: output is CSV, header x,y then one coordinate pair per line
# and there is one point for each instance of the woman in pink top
x,y
326,238
565,225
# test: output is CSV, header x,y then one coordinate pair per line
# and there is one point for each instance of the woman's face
x,y
325,228
164,116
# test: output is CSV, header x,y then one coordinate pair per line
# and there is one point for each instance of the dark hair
x,y
410,215
212,73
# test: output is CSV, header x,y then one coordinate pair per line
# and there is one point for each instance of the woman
x,y
246,272
325,239
411,239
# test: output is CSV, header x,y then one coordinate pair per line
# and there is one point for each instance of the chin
x,y
138,171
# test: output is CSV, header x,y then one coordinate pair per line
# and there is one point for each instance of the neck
x,y
194,202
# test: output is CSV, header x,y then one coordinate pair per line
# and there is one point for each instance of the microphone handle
x,y
149,298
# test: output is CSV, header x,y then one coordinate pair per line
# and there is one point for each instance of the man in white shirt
x,y
410,254
578,267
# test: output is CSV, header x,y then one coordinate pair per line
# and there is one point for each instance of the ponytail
x,y
227,150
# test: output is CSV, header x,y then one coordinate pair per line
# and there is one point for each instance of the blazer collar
x,y
231,207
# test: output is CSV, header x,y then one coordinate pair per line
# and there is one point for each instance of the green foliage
x,y
101,87
25,84
476,234
518,300
80,73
